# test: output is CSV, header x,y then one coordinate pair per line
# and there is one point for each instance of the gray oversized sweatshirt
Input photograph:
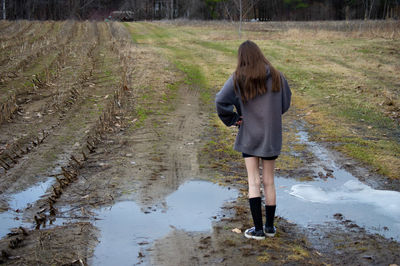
x,y
261,131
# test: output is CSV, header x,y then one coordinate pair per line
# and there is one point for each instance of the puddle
x,y
315,202
24,199
127,229
19,201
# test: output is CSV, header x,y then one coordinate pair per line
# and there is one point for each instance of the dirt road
x,y
114,153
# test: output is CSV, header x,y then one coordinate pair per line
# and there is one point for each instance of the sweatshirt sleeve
x,y
286,95
225,100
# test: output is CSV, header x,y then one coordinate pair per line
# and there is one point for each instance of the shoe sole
x,y
269,234
254,237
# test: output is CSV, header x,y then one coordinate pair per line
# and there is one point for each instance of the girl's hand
x,y
239,122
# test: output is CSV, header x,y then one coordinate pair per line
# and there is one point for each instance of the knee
x,y
269,183
254,182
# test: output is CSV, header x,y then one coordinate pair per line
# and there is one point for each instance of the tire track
x,y
49,122
43,211
60,128
93,135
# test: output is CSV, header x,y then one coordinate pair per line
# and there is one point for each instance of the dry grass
x,y
353,28
343,75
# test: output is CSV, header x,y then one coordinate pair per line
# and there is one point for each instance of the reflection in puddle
x,y
126,229
315,202
19,201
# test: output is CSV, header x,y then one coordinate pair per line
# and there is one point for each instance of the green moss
x,y
366,114
141,114
365,154
169,98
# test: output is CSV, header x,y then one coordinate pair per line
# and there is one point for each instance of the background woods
x,y
204,9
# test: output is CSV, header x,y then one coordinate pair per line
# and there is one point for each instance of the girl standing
x,y
260,95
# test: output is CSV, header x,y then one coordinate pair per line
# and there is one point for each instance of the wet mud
x,y
332,216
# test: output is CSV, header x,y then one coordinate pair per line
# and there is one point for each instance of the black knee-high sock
x,y
255,208
270,214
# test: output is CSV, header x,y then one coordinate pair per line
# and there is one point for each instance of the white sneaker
x,y
269,231
254,234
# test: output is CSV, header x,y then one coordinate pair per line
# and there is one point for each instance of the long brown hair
x,y
251,72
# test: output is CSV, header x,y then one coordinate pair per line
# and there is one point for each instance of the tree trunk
x,y
255,15
4,9
365,9
172,9
240,19
370,9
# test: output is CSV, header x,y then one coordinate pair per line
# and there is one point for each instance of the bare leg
x,y
268,181
253,174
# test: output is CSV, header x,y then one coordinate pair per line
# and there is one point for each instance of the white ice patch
x,y
385,201
316,202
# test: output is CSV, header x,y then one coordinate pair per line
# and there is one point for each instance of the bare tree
x,y
4,9
368,5
172,9
244,7
235,10
240,18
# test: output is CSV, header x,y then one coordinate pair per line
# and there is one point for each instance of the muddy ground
x,y
108,121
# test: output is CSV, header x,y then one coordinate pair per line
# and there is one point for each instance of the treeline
x,y
203,9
